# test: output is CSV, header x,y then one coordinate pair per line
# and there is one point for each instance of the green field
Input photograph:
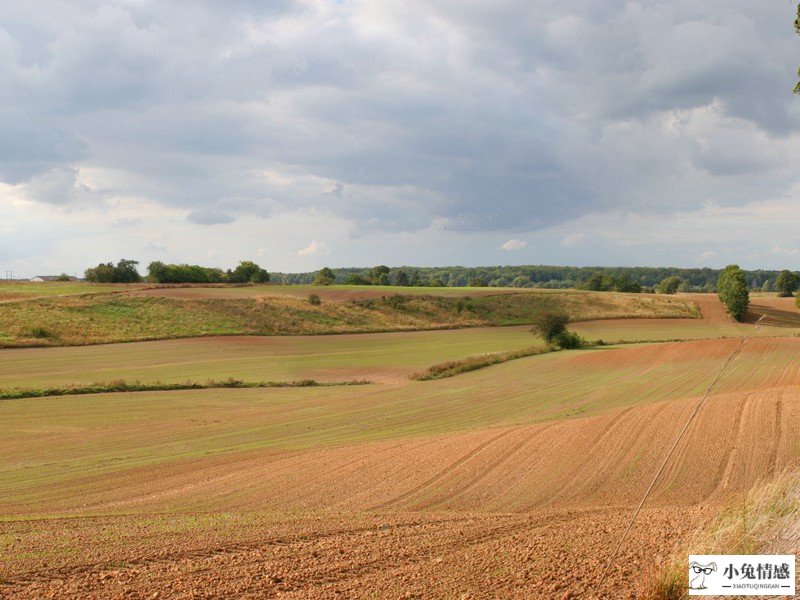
x,y
48,442
378,356
19,290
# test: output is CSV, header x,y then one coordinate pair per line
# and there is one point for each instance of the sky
x,y
312,133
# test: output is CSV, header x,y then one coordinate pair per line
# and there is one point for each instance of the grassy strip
x,y
760,523
473,363
137,386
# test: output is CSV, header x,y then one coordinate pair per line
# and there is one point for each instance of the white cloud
x,y
313,249
514,245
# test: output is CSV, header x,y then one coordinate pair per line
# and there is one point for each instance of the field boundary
x,y
122,386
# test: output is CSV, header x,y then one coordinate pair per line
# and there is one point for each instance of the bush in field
x,y
733,291
669,285
568,340
786,283
324,277
314,300
397,301
40,333
550,324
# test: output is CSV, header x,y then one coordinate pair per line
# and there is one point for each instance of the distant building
x,y
40,278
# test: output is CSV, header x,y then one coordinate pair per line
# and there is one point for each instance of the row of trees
x,y
125,271
597,278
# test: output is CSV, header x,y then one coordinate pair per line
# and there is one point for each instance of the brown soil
x,y
522,512
549,555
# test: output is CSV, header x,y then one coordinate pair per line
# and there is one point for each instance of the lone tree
x,y
325,276
669,285
732,289
248,272
786,283
552,326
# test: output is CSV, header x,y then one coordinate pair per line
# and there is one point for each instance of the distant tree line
x,y
125,271
623,279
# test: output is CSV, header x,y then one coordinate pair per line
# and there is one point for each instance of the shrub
x,y
314,300
568,340
40,333
397,301
464,304
550,324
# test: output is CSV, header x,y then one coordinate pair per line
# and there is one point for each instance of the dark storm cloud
x,y
500,115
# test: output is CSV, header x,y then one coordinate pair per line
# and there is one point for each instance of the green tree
x,y
379,274
124,272
401,278
733,291
595,282
625,284
669,285
248,272
786,283
355,279
550,324
477,282
767,285
324,276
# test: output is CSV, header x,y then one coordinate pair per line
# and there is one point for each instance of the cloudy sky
x,y
353,132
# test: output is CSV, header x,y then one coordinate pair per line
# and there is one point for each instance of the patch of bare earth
x,y
456,555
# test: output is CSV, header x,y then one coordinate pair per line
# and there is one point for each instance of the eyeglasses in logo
x,y
699,572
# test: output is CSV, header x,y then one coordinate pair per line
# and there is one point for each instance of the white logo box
x,y
741,575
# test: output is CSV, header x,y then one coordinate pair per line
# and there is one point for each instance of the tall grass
x,y
106,318
762,521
